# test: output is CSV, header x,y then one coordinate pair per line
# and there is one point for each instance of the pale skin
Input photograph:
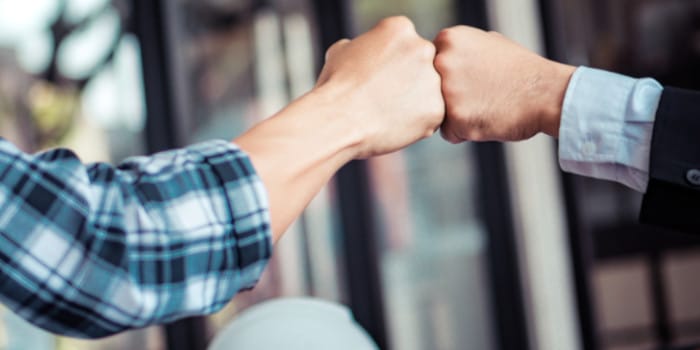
x,y
496,90
376,94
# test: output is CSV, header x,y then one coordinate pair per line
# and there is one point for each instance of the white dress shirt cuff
x,y
606,126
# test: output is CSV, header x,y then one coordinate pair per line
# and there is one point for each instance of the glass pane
x,y
84,92
433,257
240,64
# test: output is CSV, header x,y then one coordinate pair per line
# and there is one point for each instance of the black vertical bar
x,y
187,334
662,324
495,209
547,14
580,244
355,202
583,259
361,250
473,13
334,22
150,27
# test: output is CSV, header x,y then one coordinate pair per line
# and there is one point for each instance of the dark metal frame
x,y
580,244
149,25
355,204
581,250
361,250
495,207
505,280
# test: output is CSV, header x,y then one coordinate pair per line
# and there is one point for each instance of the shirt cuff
x,y
606,126
246,201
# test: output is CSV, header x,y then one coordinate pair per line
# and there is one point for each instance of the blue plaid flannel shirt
x,y
92,250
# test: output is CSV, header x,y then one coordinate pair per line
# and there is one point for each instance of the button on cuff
x,y
693,177
589,148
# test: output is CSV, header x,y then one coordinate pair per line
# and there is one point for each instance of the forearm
x,y
297,151
100,249
555,81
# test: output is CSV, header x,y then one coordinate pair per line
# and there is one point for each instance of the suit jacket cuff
x,y
673,195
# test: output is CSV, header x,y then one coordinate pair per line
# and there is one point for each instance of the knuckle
x,y
451,34
400,24
445,134
476,136
447,33
449,91
472,135
335,47
426,50
438,108
402,21
441,63
436,79
340,43
448,136
444,38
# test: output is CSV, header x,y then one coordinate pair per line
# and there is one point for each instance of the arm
x,y
610,126
297,151
507,93
92,250
637,133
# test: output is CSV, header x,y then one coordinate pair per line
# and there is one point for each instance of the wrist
x,y
298,150
555,86
335,108
330,113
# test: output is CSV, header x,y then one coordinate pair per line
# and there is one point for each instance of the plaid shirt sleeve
x,y
92,250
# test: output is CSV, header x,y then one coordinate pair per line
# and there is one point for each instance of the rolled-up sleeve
x,y
92,250
606,126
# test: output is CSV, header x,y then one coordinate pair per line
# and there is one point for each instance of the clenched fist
x,y
386,81
496,90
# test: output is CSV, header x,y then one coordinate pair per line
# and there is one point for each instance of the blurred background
x,y
478,246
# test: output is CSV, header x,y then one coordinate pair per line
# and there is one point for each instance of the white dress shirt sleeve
x,y
606,126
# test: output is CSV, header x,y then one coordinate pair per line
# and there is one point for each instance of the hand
x,y
376,94
387,86
496,90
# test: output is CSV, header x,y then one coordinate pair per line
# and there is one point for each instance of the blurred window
x,y
433,246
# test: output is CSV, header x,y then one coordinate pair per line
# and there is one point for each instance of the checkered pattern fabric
x,y
92,250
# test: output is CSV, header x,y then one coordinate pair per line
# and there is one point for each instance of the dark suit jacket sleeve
x,y
672,199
